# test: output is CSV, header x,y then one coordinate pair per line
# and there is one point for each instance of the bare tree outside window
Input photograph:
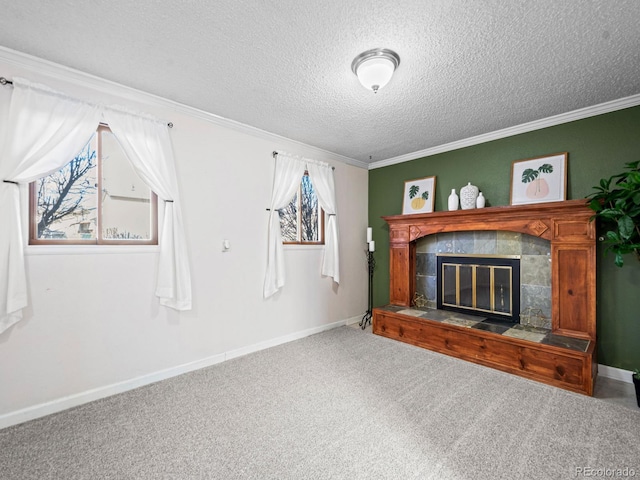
x,y
68,195
289,221
302,220
309,211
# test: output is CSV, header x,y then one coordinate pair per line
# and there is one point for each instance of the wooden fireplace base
x,y
561,367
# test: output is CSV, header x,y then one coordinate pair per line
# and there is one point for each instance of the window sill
x,y
89,249
296,246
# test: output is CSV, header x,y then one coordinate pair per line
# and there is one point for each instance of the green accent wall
x,y
598,147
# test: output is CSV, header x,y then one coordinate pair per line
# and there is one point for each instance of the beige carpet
x,y
343,404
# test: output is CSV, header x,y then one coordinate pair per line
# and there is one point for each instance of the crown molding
x,y
81,79
607,107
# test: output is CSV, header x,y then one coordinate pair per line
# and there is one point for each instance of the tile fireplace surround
x,y
563,353
534,254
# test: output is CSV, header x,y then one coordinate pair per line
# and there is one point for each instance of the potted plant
x,y
616,204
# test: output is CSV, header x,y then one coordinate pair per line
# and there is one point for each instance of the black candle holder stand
x,y
371,264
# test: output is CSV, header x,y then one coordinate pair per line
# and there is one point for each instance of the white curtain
x,y
287,177
44,130
146,143
321,175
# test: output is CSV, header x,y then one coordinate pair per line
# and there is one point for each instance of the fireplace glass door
x,y
488,286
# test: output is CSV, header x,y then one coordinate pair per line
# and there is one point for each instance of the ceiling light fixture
x,y
374,68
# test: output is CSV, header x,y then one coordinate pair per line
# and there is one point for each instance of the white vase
x,y
453,200
480,201
468,196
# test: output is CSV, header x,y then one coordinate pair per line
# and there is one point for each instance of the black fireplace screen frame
x,y
510,261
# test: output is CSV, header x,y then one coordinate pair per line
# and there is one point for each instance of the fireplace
x,y
479,285
564,356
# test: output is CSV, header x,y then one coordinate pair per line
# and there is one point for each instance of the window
x,y
97,198
302,221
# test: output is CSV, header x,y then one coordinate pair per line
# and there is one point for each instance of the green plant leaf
x,y
634,213
413,190
425,195
620,204
633,165
595,205
612,236
611,213
633,179
622,179
529,175
619,260
546,168
598,194
626,227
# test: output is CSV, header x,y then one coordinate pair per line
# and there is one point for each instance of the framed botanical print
x,y
539,180
419,195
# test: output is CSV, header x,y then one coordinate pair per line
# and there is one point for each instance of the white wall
x,y
94,327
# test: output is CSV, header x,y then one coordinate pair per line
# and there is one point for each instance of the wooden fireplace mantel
x,y
565,224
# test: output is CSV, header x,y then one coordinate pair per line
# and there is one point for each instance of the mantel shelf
x,y
536,219
546,209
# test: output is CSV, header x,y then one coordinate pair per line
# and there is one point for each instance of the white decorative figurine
x,y
468,196
480,201
453,200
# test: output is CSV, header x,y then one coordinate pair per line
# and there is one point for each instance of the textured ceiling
x,y
467,67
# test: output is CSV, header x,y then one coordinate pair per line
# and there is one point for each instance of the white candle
x,y
369,234
372,246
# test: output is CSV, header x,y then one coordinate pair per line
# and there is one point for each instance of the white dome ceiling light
x,y
374,68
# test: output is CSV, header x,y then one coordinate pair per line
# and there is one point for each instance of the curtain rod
x,y
4,81
275,154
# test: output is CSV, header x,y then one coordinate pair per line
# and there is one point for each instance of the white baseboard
x,y
615,373
352,320
64,403
285,339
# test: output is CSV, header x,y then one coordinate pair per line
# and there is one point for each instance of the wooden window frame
x,y
33,213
